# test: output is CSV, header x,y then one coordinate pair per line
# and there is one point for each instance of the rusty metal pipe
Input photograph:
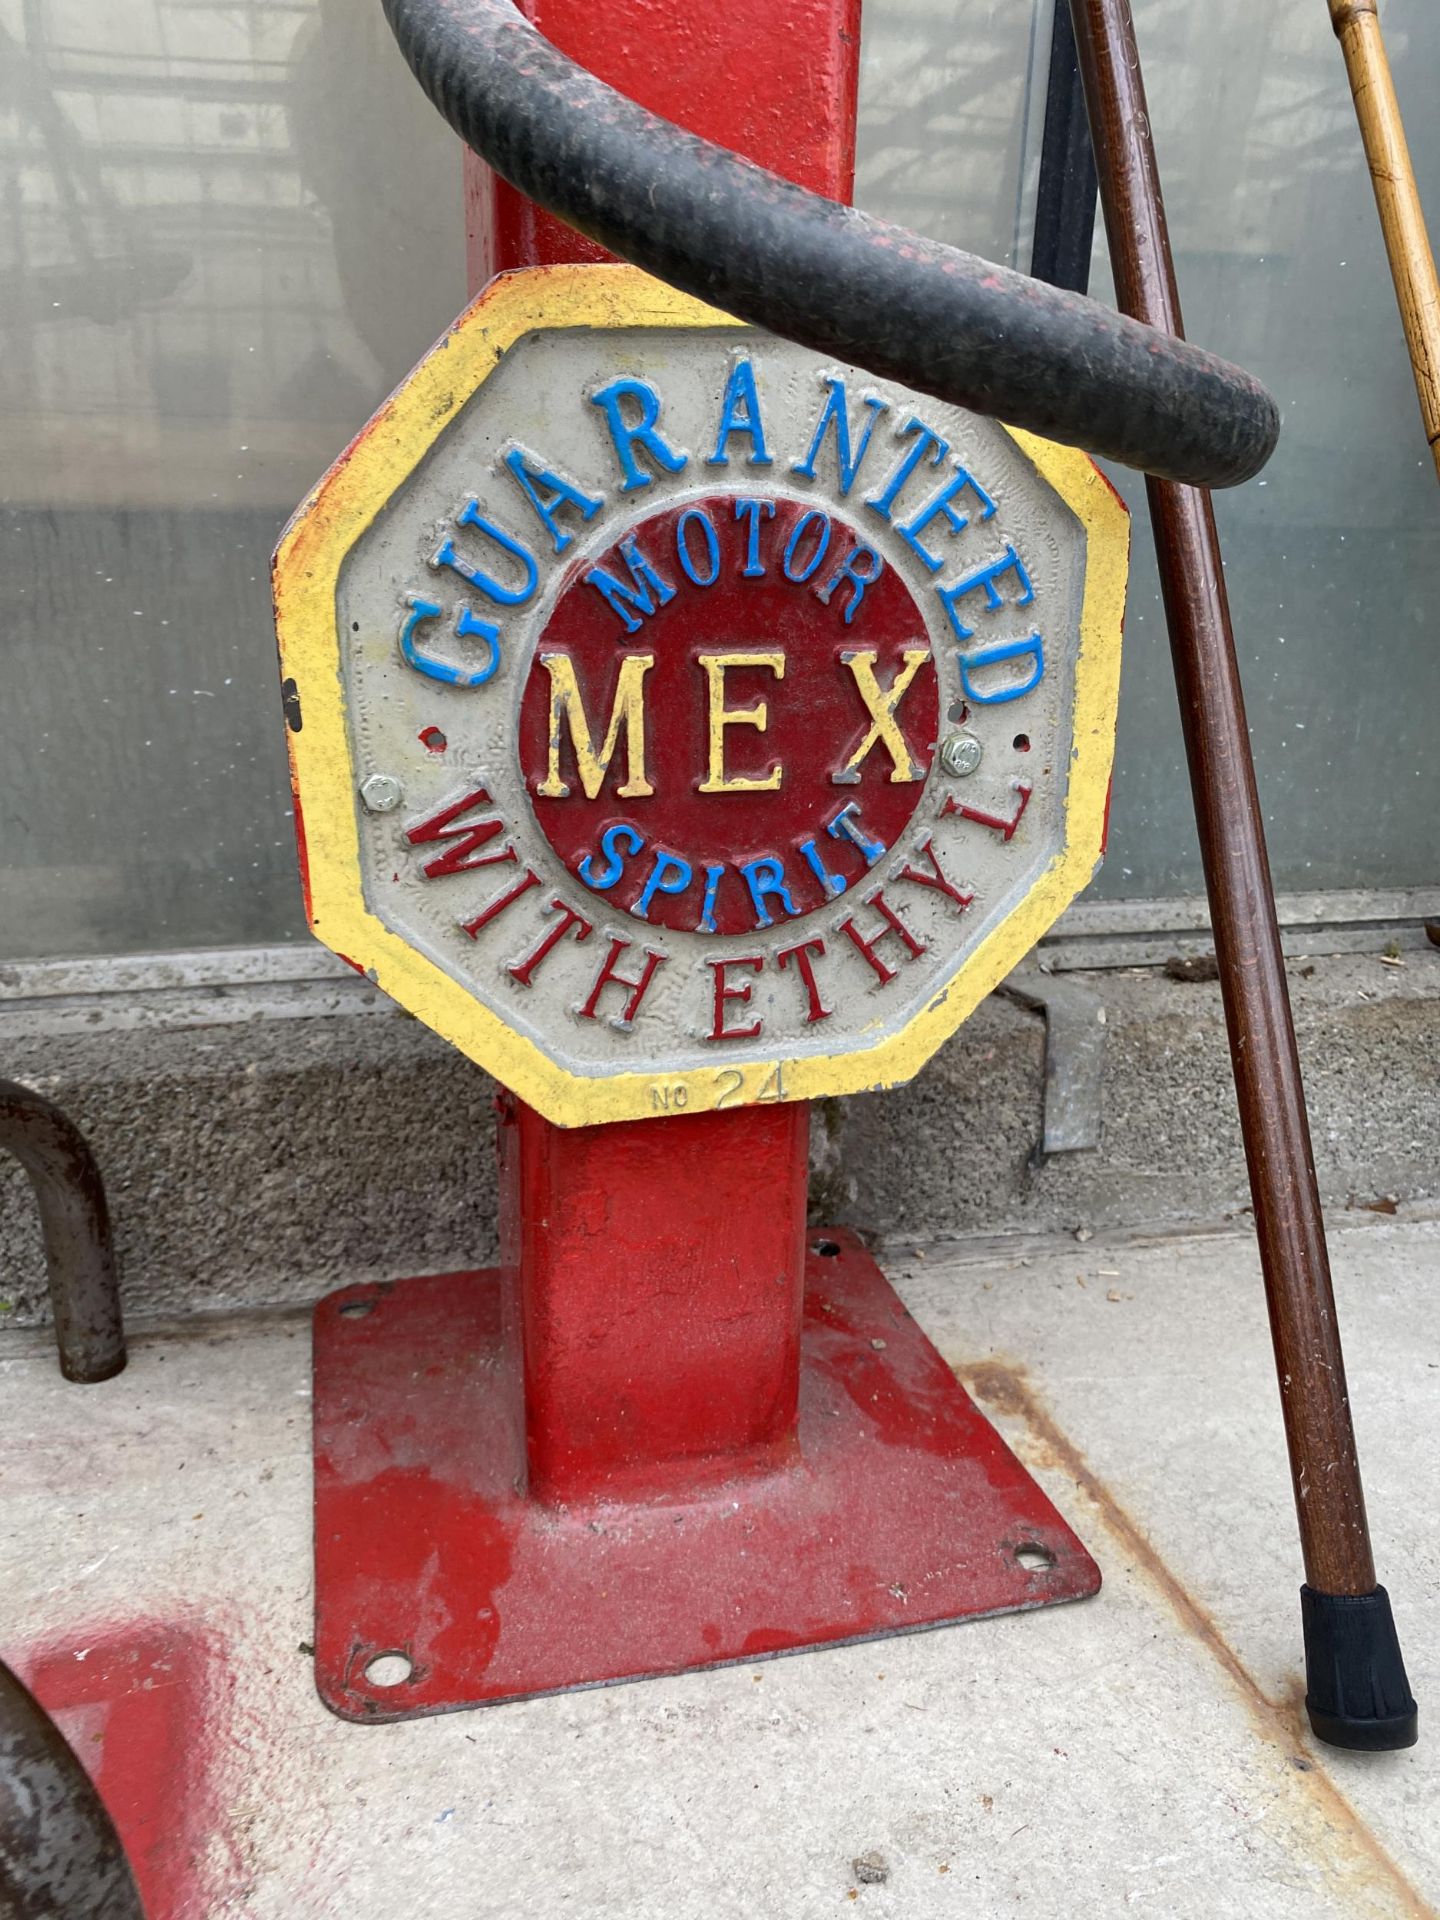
x,y
823,274
59,1851
75,1222
1358,1695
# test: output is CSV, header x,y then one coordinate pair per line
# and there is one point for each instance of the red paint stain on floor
x,y
138,1703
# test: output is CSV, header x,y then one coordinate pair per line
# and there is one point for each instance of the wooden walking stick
x,y
1412,264
1357,1692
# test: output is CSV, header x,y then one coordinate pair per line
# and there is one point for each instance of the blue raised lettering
x,y
765,878
836,413
467,626
670,874
610,841
740,392
850,569
830,883
846,826
625,434
532,474
446,556
712,887
928,443
645,582
911,531
793,542
986,576
754,568
990,656
698,517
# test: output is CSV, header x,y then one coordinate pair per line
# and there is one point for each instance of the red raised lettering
x,y
524,970
725,992
805,967
993,820
894,924
496,907
468,837
608,976
936,876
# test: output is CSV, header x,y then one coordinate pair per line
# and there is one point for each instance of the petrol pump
x,y
690,720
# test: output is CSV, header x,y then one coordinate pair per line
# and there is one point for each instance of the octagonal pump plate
x,y
679,719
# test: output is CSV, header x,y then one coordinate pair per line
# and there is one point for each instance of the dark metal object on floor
x,y
1074,1058
823,274
59,1852
1329,1497
75,1222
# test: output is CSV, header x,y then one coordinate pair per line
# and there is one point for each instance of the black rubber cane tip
x,y
1356,1691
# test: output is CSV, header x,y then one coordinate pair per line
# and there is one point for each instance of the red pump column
x,y
653,1276
776,84
696,1225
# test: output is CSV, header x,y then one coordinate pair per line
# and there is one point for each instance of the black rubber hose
x,y
59,1851
848,285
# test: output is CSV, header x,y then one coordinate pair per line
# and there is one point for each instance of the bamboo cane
x,y
1358,1695
1412,264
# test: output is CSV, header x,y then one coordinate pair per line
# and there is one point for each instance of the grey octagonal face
x,y
708,702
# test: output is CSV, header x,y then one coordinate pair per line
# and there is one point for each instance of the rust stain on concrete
x,y
1352,1850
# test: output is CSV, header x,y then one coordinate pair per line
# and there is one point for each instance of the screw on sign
x,y
687,720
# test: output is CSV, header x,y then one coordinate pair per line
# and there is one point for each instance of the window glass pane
x,y
952,96
1333,554
225,231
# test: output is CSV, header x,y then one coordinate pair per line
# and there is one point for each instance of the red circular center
x,y
709,743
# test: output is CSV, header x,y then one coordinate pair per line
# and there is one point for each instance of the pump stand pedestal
x,y
673,1428
502,1550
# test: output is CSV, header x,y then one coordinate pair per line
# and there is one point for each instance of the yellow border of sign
x,y
306,572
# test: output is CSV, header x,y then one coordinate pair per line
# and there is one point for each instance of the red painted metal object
x,y
649,1304
671,1430
140,1704
891,1505
778,89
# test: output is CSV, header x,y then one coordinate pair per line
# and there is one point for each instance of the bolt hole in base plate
x,y
388,1670
1034,1558
903,1509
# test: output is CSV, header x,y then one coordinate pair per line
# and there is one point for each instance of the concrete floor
x,y
1143,1750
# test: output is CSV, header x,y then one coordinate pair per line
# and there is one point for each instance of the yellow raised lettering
x,y
567,709
721,716
880,704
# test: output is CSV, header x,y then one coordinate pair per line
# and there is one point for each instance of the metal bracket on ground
x,y
1074,1056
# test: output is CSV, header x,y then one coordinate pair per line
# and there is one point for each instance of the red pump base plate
x,y
901,1508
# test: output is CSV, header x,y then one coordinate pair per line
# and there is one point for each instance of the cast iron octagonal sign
x,y
679,719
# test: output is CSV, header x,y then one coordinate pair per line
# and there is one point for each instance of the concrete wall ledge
x,y
273,1128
